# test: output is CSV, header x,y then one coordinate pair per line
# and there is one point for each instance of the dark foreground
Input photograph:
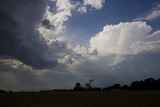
x,y
82,99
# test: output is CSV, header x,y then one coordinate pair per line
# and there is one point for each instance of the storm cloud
x,y
18,35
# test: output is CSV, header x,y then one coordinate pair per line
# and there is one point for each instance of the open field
x,y
82,99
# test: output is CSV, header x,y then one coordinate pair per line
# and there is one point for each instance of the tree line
x,y
147,84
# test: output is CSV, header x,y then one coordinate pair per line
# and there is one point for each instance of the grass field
x,y
82,99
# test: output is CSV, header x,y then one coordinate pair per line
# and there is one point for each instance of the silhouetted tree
x,y
89,84
77,87
150,83
147,84
135,85
116,86
3,91
124,87
157,84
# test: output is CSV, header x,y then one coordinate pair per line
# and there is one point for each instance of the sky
x,y
52,44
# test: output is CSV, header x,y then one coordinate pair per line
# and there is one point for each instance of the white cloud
x,y
82,50
139,47
117,39
130,38
82,9
153,14
154,36
57,18
116,60
97,4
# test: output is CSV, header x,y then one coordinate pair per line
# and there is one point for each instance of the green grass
x,y
82,99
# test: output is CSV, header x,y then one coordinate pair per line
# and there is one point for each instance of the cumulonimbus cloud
x,y
19,37
129,38
120,39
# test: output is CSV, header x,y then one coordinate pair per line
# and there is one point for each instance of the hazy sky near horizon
x,y
52,44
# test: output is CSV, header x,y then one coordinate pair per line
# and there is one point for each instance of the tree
x,y
3,91
89,84
116,86
124,87
77,87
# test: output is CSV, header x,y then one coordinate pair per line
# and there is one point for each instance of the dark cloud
x,y
46,23
19,78
18,35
